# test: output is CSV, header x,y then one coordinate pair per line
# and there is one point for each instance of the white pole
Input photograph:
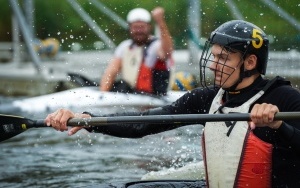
x,y
194,30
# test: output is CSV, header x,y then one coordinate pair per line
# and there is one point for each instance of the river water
x,y
44,157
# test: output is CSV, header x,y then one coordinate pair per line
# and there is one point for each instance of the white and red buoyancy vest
x,y
137,67
233,155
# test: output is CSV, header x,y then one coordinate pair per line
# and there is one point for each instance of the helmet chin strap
x,y
243,74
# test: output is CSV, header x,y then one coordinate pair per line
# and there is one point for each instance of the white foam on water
x,y
192,171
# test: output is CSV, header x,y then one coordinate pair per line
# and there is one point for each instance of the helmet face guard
x,y
235,36
209,64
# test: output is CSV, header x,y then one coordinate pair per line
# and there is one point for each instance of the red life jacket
x,y
145,78
142,76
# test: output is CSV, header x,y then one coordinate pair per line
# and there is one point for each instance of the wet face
x,y
140,32
225,66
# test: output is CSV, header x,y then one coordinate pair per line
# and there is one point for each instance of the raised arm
x,y
158,15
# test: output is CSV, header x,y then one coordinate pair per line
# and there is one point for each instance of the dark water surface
x,y
44,157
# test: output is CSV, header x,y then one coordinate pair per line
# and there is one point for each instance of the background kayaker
x,y
260,153
144,61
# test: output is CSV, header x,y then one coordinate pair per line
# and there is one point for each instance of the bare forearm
x,y
158,15
166,39
110,74
106,82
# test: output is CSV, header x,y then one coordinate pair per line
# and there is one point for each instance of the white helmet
x,y
138,14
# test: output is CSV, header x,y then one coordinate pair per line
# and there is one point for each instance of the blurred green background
x,y
59,20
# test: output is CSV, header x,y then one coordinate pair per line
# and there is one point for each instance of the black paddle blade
x,y
81,80
158,184
11,126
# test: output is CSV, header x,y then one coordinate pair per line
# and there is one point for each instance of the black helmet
x,y
244,37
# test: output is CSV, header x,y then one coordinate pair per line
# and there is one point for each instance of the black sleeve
x,y
191,102
291,134
197,101
288,100
290,130
132,130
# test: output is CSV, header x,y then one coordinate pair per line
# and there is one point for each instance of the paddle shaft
x,y
14,125
169,119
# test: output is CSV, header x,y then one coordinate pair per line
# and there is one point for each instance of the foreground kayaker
x,y
259,153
